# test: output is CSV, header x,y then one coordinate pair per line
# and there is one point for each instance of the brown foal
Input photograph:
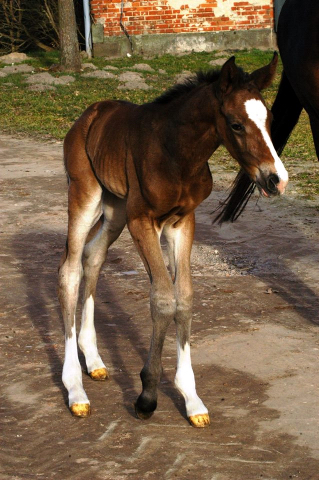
x,y
147,166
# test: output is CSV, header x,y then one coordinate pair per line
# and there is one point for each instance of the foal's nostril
x,y
272,183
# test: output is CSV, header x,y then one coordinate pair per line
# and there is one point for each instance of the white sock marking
x,y
87,337
185,382
72,373
257,112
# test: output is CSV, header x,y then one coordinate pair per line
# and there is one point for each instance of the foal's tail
x,y
286,111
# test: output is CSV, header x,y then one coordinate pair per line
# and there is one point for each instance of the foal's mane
x,y
189,84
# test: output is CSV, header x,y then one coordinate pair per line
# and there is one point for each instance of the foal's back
x,y
97,143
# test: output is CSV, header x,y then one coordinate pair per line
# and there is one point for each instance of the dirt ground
x,y
255,343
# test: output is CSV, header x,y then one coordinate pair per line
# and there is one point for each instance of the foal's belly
x,y
110,171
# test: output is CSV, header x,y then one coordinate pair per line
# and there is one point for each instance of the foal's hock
x,y
147,166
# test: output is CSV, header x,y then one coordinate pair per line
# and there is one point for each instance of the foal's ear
x,y
227,77
264,76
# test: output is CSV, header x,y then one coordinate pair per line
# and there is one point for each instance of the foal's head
x,y
244,125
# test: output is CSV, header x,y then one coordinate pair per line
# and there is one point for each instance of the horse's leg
x,y
286,110
163,307
314,123
95,252
84,210
180,239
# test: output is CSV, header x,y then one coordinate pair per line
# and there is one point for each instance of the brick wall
x,y
142,17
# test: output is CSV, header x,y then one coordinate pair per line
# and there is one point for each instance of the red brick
x,y
154,11
158,16
168,17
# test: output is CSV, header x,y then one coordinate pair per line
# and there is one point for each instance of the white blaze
x,y
257,112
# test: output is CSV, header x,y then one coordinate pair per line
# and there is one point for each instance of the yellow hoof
x,y
99,374
199,421
80,409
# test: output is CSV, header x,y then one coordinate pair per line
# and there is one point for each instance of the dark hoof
x,y
142,415
143,409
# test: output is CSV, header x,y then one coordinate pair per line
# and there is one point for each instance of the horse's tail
x,y
286,110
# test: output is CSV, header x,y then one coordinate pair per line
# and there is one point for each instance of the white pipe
x,y
87,28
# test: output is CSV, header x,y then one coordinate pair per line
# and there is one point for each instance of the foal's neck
x,y
191,128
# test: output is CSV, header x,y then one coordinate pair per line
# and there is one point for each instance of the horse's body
x,y
147,166
298,43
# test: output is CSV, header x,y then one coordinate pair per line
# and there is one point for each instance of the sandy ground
x,y
255,343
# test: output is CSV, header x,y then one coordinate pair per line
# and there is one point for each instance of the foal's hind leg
x,y
180,239
84,210
95,252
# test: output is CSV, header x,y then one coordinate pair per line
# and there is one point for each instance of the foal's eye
x,y
237,127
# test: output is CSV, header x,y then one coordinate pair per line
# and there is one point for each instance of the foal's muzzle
x,y
271,185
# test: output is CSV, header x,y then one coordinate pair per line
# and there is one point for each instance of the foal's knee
x,y
69,278
185,303
163,305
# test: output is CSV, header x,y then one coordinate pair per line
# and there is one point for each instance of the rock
x,y
185,75
88,66
130,76
110,67
217,62
64,80
14,58
44,78
134,85
98,74
132,81
48,79
142,66
16,69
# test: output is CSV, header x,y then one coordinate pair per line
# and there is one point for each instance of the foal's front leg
x,y
180,239
163,307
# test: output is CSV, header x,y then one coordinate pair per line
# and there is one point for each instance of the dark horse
x,y
298,43
146,166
